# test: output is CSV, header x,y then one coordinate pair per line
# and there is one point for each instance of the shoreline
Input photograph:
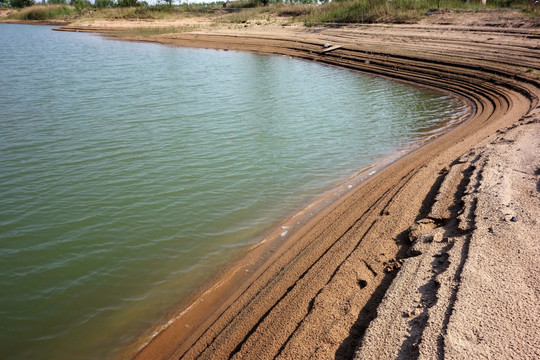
x,y
275,237
225,349
316,291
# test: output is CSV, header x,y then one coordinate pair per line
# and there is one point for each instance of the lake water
x,y
131,172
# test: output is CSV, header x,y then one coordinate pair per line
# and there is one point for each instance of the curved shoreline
x,y
315,293
280,298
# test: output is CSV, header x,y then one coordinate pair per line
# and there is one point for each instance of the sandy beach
x,y
432,256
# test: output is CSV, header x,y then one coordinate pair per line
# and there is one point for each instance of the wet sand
x,y
403,265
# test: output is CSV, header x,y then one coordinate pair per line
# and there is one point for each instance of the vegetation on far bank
x,y
406,11
309,12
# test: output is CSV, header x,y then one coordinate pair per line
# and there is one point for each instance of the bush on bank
x,y
44,12
308,11
401,11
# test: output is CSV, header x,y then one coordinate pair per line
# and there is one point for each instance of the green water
x,y
129,173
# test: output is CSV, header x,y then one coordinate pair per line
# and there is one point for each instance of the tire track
x,y
313,264
318,288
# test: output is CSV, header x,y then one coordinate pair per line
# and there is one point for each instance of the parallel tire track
x,y
317,293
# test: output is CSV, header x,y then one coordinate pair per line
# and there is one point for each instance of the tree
x,y
21,3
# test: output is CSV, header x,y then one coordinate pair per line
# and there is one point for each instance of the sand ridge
x,y
318,292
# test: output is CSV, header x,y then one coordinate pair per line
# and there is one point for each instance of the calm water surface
x,y
130,172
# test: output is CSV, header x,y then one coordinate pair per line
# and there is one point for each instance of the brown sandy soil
x,y
468,286
5,12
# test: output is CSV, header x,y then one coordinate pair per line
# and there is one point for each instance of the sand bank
x,y
469,285
318,292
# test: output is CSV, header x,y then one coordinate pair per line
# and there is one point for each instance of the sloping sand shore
x,y
434,255
469,286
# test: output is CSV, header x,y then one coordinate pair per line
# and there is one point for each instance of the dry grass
x,y
351,11
150,31
44,12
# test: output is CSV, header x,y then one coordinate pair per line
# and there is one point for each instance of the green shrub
x,y
19,4
128,3
243,4
81,5
104,3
